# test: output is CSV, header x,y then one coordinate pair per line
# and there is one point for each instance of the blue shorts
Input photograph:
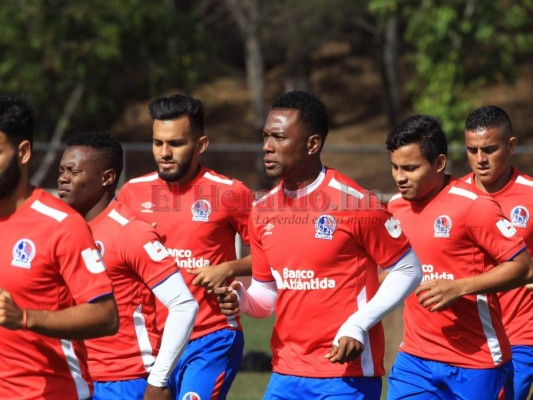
x,y
208,366
118,390
416,378
289,387
523,370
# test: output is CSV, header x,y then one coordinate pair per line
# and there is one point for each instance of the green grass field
x,y
252,385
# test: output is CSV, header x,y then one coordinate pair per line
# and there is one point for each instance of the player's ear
x,y
109,177
202,143
511,144
441,162
24,152
314,144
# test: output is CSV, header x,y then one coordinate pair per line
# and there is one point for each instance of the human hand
x,y
349,349
529,286
438,294
11,316
227,298
156,393
211,277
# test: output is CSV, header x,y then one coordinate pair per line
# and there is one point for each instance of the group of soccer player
x,y
132,296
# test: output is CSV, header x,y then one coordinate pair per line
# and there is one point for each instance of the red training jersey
x,y
457,234
136,261
198,222
322,244
48,261
516,201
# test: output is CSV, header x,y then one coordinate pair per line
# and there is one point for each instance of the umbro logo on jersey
x,y
268,229
23,253
442,226
147,207
519,216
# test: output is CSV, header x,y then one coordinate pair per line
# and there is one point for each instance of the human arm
x,y
401,279
217,275
182,310
82,321
258,301
438,294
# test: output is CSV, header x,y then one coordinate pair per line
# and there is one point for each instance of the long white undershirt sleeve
x,y
259,300
182,310
403,277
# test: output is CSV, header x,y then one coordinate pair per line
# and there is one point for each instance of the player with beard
x,y
198,213
54,291
137,361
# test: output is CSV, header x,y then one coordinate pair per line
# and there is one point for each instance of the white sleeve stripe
x,y
49,211
345,188
115,215
215,178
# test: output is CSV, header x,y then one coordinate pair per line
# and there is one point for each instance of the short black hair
x,y
17,118
489,117
312,110
107,145
423,130
176,106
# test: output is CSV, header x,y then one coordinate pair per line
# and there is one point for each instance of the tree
x,y
119,50
454,48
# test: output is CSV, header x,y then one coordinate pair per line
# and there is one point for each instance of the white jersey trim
x,y
488,329
218,179
463,192
295,194
82,388
145,347
141,179
266,196
523,181
116,216
49,211
345,188
367,364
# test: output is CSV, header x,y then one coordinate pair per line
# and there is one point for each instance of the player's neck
x,y
13,201
306,177
189,176
97,209
497,185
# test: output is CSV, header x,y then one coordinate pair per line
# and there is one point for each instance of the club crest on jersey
x,y
325,225
100,246
201,209
442,226
147,207
191,396
519,216
23,253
